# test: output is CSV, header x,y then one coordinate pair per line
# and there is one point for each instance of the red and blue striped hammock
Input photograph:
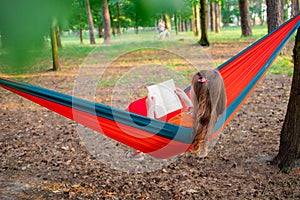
x,y
157,138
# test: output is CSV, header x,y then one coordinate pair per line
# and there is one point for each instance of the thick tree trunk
x,y
106,21
90,21
55,58
245,18
274,14
203,13
289,150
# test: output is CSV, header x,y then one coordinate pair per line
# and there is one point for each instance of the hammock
x,y
163,140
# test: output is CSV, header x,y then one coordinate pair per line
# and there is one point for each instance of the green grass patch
x,y
283,65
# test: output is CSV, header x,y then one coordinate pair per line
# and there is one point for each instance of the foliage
x,y
23,25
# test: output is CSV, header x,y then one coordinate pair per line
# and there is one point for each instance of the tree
x,y
218,16
55,58
289,149
34,19
196,16
203,15
106,21
295,7
245,18
212,13
58,38
90,21
274,14
118,18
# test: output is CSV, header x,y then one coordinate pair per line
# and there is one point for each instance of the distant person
x,y
161,26
162,30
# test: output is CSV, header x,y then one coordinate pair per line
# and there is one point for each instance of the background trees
x,y
245,18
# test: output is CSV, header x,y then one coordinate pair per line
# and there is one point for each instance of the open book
x,y
166,101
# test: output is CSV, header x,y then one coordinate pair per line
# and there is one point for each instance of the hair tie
x,y
202,80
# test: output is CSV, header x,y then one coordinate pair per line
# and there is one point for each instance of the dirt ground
x,y
42,156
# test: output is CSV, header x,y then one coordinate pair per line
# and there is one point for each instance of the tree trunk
x,y
168,22
119,20
196,16
274,14
186,26
176,23
81,25
218,17
295,7
261,15
81,35
58,37
245,18
55,58
112,24
212,17
106,21
90,21
100,32
136,26
204,36
289,149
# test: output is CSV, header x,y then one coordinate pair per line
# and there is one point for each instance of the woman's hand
x,y
184,98
150,103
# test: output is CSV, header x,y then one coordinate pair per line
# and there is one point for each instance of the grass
x,y
73,53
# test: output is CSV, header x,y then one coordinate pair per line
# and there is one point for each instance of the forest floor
x,y
43,155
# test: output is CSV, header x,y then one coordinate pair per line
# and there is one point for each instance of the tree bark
x,y
196,18
90,21
261,16
203,13
81,35
245,18
168,22
136,25
274,14
218,17
58,37
289,149
112,24
176,23
295,7
55,58
212,17
106,21
118,18
100,32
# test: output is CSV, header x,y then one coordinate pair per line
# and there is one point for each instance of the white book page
x,y
166,101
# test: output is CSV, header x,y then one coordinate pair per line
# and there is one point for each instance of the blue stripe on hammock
x,y
160,128
234,105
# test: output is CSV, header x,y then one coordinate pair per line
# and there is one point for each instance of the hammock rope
x,y
241,75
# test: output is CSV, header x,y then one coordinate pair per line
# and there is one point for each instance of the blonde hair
x,y
209,101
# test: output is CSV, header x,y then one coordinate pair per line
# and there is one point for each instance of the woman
x,y
206,104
